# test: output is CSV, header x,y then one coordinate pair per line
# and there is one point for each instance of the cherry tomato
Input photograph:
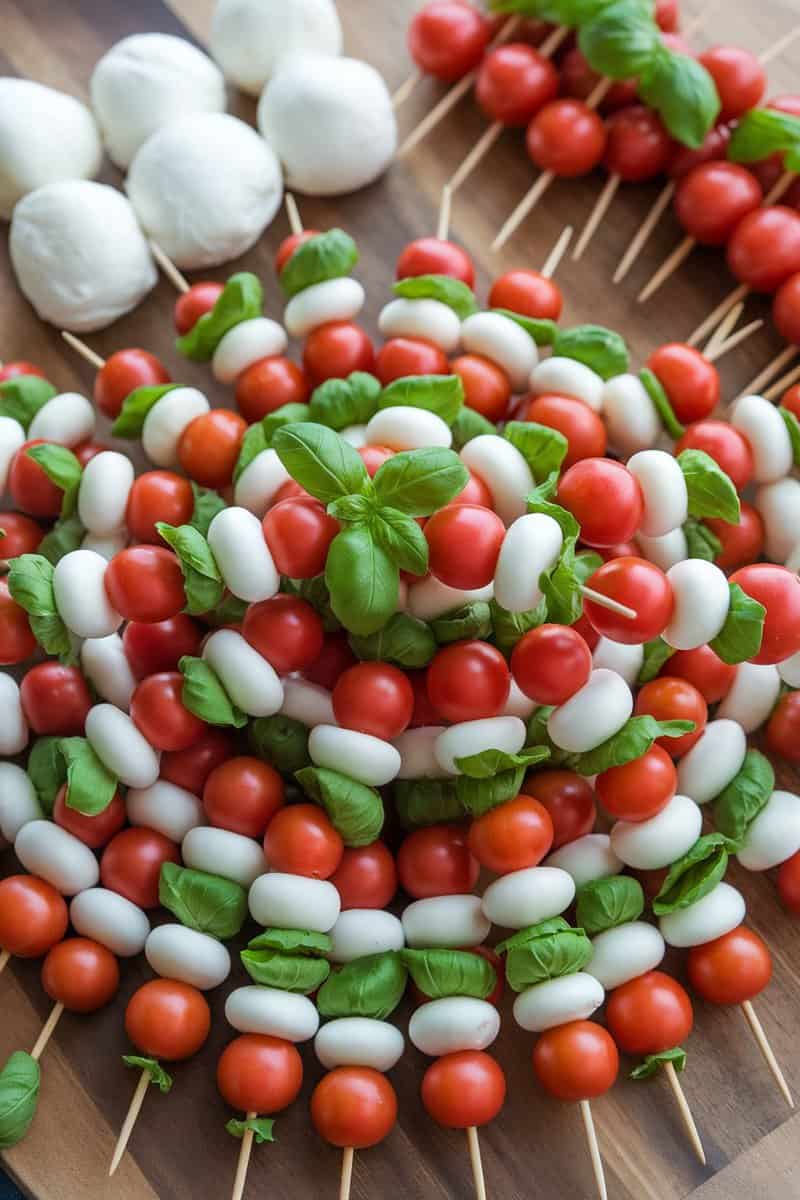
x,y
86,451
468,680
335,658
583,428
464,1089
742,543
649,1014
29,487
21,535
464,542
731,969
447,39
92,831
551,663
641,586
80,974
242,794
512,836
783,728
298,533
353,1107
576,1061
785,311
374,698
639,789
194,304
269,384
605,499
436,861
131,864
638,146
209,447
366,876
153,647
17,641
569,800
286,631
424,712
690,380
704,669
788,882
738,77
566,137
670,699
712,199
261,1074
529,293
122,373
667,15
13,370
335,350
579,80
764,248
475,492
158,711
714,146
514,81
729,449
402,356
33,915
55,699
435,256
487,388
145,583
373,457
157,496
191,768
167,1019
300,840
779,591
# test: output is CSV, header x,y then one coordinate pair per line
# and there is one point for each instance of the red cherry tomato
x,y
738,77
194,304
512,836
487,388
568,799
742,543
731,969
714,146
151,648
566,137
374,698
157,496
335,658
21,535
447,39
464,542
712,199
17,641
704,669
286,631
669,699
605,499
788,882
435,256
366,876
191,768
122,374
33,915
764,248
638,146
269,384
402,356
583,428
779,591
528,293
464,1089
260,1074
353,1107
729,449
641,586
576,1061
649,1014
93,831
300,840
424,712
639,789
167,1019
514,81
783,728
667,15
298,533
289,245
475,492
55,699
335,350
467,681
13,370
158,711
86,451
374,457
145,583
551,663
243,794
209,447
579,80
436,861
690,380
785,312
131,864
80,974
29,487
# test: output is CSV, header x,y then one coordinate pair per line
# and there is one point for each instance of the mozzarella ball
x,y
221,852
789,671
666,500
106,544
81,598
361,931
421,318
626,661
176,952
431,598
110,919
294,902
79,255
661,840
504,342
165,807
273,1012
166,421
363,757
625,952
359,1042
250,37
242,555
205,187
105,664
779,506
763,427
103,492
588,857
417,750
46,849
12,436
121,747
250,681
354,435
147,80
453,1023
245,344
19,803
593,714
262,478
567,377
45,136
664,551
568,998
403,427
68,419
308,113
702,601
473,737
716,914
504,471
526,897
13,725
531,546
713,761
752,696
332,300
452,922
518,704
774,835
631,418
307,702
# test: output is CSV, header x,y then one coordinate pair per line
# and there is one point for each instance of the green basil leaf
x,y
315,591
206,506
280,741
469,424
202,579
632,741
762,132
477,796
30,582
700,541
241,299
404,640
362,580
540,329
543,449
561,589
90,785
230,611
328,255
469,621
371,986
158,1075
488,763
419,482
23,396
653,1063
694,875
352,508
260,1127
793,426
546,954
537,726
136,406
711,491
354,810
288,972
521,937
683,94
254,443
47,771
65,536
655,390
208,903
743,799
320,461
656,653
439,394
204,695
510,627
601,349
420,802
338,403
606,903
620,42
740,637
287,414
439,973
444,288
293,941
402,539
538,502
586,563
19,1095
63,469
53,636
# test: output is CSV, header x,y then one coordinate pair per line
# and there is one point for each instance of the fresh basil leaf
x,y
241,299
362,580
656,653
338,403
315,591
762,132
287,414
23,396
404,640
469,621
601,349
545,953
260,1127
444,288
439,394
254,443
90,785
65,536
711,491
320,461
632,741
19,1094
606,903
793,426
469,424
509,627
586,563
420,802
208,903
136,406
694,875
700,541
280,741
206,506
743,799
661,402
230,611
683,94
653,1063
620,42
477,796
543,449
538,502
521,937
204,695
419,482
740,637
371,986
561,588
352,508
488,763
537,726
540,329
158,1075
402,539
47,771
201,575
328,255
62,469
354,810
292,941
438,973
30,582
288,972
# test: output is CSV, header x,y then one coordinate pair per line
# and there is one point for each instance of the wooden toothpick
x,y
475,1160
594,1150
293,214
667,269
347,1173
47,1030
243,1162
406,88
178,281
777,48
137,1100
767,1051
86,352
723,330
685,1112
735,340
555,256
614,606
443,224
781,385
772,369
714,318
646,228
601,207
4,957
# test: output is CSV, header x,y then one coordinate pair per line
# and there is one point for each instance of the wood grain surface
x,y
535,1149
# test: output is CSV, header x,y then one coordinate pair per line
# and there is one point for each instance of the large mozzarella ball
x,y
79,254
330,121
205,187
45,136
249,37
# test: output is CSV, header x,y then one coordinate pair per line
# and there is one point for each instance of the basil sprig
x,y
62,469
90,785
438,973
203,694
762,132
621,40
743,799
65,536
19,1095
260,1127
240,300
47,771
320,461
135,407
683,94
201,575
30,582
548,950
355,810
288,972
328,255
601,349
444,288
280,741
418,482
793,426
338,403
653,1063
701,542
23,396
694,875
544,449
439,394
161,1078
656,654
208,903
404,640
632,741
606,903
661,402
740,637
420,802
711,491
371,986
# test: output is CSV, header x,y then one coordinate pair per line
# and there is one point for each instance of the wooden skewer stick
x,y
646,228
714,318
555,256
131,1116
86,352
667,269
293,214
601,207
735,340
347,1173
243,1163
4,957
594,1150
406,88
685,1112
781,385
178,281
723,330
475,1160
777,48
770,371
767,1051
443,224
614,606
47,1030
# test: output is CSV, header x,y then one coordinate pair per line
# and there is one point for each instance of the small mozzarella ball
x,y
332,300
164,424
666,499
147,80
245,344
273,1012
774,835
355,435
779,506
531,546
19,803
307,702
176,952
473,737
715,915
789,671
202,217
250,681
103,492
79,254
46,849
593,714
120,746
567,377
245,563
752,696
763,427
403,427
294,902
105,664
361,931
13,725
504,342
702,601
518,704
110,919
431,598
359,1042
165,807
528,896
625,660
259,483
67,419
661,840
452,922
221,852
249,37
417,750
504,471
81,598
586,858
625,952
12,436
631,418
568,998
664,551
713,761
424,318
363,757
453,1023
107,544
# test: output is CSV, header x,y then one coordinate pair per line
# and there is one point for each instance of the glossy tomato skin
x,y
123,372
21,535
514,82
779,591
435,256
80,974
649,1014
783,728
742,543
670,699
641,586
424,712
788,882
791,400
209,447
286,631
605,499
551,663
194,304
131,864
353,1107
436,861
729,448
243,794
468,680
145,583
55,699
764,249
153,647
475,492
191,768
512,836
167,1019
269,384
668,15
374,698
568,799
639,789
712,199
447,39
714,146
731,969
704,669
33,915
335,658
373,457
638,146
298,532
566,137
583,428
403,356
92,831
464,543
467,1088
13,370
786,309
366,876
300,840
30,489
261,1074
157,496
527,292
335,350
487,388
690,380
576,1061
158,711
738,77
579,80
